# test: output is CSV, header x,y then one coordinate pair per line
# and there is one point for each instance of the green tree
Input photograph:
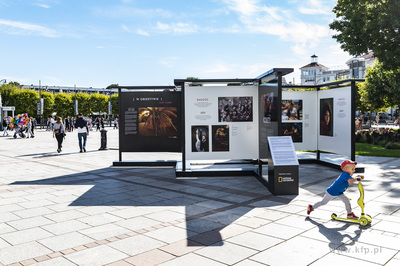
x,y
111,86
63,104
84,104
48,103
369,25
194,80
26,101
115,104
99,102
381,89
6,91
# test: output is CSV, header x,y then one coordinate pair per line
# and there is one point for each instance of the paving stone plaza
x,y
76,209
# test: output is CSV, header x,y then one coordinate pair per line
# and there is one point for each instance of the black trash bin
x,y
103,141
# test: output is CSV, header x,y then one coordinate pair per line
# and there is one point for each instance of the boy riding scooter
x,y
339,187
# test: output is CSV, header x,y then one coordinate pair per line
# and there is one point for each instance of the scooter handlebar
x,y
360,177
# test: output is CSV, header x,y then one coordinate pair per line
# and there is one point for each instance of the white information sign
x,y
282,151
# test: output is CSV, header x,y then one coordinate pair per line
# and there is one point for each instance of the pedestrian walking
x,y
97,124
5,125
59,132
29,130
83,131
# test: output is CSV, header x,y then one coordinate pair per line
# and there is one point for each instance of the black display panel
x,y
150,121
269,109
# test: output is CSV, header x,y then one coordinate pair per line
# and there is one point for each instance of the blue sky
x,y
95,43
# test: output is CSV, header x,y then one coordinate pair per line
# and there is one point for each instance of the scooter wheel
x,y
363,221
333,215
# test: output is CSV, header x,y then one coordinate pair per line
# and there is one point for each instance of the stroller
x,y
20,132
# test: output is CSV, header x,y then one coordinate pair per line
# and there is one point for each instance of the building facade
x,y
358,65
315,73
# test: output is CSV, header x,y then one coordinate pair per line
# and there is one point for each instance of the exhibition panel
x,y
299,118
221,122
335,120
149,121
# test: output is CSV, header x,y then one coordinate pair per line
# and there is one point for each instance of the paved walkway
x,y
76,209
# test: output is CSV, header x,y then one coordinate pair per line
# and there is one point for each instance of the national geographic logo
x,y
285,179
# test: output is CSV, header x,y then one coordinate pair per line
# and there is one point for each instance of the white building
x,y
358,65
316,73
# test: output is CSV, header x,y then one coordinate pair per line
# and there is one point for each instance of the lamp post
x,y
109,109
76,103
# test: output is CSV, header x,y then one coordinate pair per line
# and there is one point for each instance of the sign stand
x,y
283,166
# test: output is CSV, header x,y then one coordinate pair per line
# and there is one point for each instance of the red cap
x,y
346,162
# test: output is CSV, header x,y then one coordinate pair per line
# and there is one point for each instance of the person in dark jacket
x,y
58,132
83,131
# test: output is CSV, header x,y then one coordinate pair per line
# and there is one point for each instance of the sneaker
x,y
58,150
84,149
352,216
309,209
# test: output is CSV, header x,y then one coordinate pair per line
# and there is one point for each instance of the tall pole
x,y
110,113
40,99
75,103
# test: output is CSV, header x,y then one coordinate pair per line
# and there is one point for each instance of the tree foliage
x,y
84,105
7,91
48,103
115,103
25,101
381,89
369,25
63,104
111,86
99,102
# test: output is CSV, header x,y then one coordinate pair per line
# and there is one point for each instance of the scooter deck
x,y
335,217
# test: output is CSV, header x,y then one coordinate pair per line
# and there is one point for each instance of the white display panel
x,y
303,128
220,124
334,133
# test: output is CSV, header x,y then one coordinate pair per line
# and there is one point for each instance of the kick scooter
x,y
364,219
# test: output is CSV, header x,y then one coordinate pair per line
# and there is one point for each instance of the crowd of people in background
x,y
24,126
68,122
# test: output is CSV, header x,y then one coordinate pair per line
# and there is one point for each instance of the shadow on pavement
x,y
337,240
206,211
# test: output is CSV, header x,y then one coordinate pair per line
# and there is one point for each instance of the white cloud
x,y
179,28
42,5
314,7
22,28
245,7
258,18
142,32
126,28
128,12
46,3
